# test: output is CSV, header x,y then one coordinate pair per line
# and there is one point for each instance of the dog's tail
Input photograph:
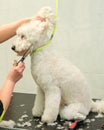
x,y
97,106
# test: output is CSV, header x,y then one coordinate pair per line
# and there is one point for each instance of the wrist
x,y
24,21
9,81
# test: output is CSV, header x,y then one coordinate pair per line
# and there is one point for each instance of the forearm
x,y
6,92
9,30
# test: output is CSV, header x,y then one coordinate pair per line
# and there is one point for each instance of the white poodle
x,y
62,88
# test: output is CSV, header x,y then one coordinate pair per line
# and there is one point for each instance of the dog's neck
x,y
45,44
40,48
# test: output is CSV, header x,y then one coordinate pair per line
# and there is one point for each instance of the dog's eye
x,y
22,36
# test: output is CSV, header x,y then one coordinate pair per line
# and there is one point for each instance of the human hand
x,y
16,72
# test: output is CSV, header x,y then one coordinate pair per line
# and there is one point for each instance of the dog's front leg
x,y
38,108
52,103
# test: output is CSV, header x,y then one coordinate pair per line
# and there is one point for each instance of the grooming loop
x,y
53,32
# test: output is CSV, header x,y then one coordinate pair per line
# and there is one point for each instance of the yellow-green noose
x,y
53,32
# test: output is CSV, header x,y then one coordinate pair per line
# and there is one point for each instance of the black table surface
x,y
20,111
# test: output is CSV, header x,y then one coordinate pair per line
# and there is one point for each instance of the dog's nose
x,y
13,48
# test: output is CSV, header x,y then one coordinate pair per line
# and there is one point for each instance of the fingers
x,y
38,18
19,66
21,63
15,63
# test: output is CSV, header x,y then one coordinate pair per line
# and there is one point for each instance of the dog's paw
x,y
79,116
48,119
73,115
36,112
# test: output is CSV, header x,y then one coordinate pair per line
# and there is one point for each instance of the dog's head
x,y
35,33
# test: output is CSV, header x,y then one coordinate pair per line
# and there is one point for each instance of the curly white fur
x,y
62,88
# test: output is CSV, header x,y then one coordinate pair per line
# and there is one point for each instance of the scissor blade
x,y
25,54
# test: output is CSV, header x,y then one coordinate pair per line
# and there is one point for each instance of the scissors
x,y
25,54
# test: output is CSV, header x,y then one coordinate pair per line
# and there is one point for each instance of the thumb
x,y
15,63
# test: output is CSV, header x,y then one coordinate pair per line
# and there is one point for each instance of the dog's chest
x,y
44,68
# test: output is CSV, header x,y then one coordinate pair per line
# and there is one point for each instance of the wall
x,y
79,37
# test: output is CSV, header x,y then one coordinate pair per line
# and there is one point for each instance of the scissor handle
x,y
22,59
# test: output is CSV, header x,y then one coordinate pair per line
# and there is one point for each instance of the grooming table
x,y
20,112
